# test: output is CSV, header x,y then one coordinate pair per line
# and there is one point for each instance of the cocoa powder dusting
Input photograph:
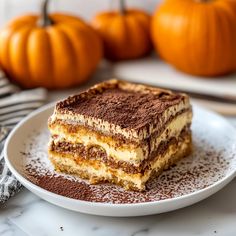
x,y
128,109
208,163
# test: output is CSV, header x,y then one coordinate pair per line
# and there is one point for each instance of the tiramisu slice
x,y
120,132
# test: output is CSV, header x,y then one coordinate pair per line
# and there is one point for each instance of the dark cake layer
x,y
80,152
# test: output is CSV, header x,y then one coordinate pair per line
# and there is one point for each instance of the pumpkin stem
x,y
44,19
122,7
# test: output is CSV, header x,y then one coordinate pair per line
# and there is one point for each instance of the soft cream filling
x,y
104,172
107,127
131,155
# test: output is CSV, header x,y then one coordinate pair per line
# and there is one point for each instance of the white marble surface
x,y
26,214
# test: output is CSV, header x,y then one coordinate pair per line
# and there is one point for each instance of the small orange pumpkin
x,y
197,36
125,33
53,51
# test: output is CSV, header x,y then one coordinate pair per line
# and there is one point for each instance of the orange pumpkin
x,y
125,33
197,36
53,51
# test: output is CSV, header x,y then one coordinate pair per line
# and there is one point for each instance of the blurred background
x,y
85,8
153,64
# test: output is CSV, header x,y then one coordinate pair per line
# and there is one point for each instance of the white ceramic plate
x,y
211,166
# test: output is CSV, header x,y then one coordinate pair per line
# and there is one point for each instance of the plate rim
x,y
25,182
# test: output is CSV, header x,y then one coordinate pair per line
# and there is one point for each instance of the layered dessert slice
x,y
120,132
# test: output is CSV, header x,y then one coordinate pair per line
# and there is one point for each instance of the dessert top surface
x,y
121,103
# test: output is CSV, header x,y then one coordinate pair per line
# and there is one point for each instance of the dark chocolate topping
x,y
126,108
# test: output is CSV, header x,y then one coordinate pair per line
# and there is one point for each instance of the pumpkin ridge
x,y
212,32
143,48
51,59
68,31
225,35
62,54
87,35
146,32
40,66
18,58
198,27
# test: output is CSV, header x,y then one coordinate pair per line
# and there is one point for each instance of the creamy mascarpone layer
x,y
106,127
105,172
133,155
